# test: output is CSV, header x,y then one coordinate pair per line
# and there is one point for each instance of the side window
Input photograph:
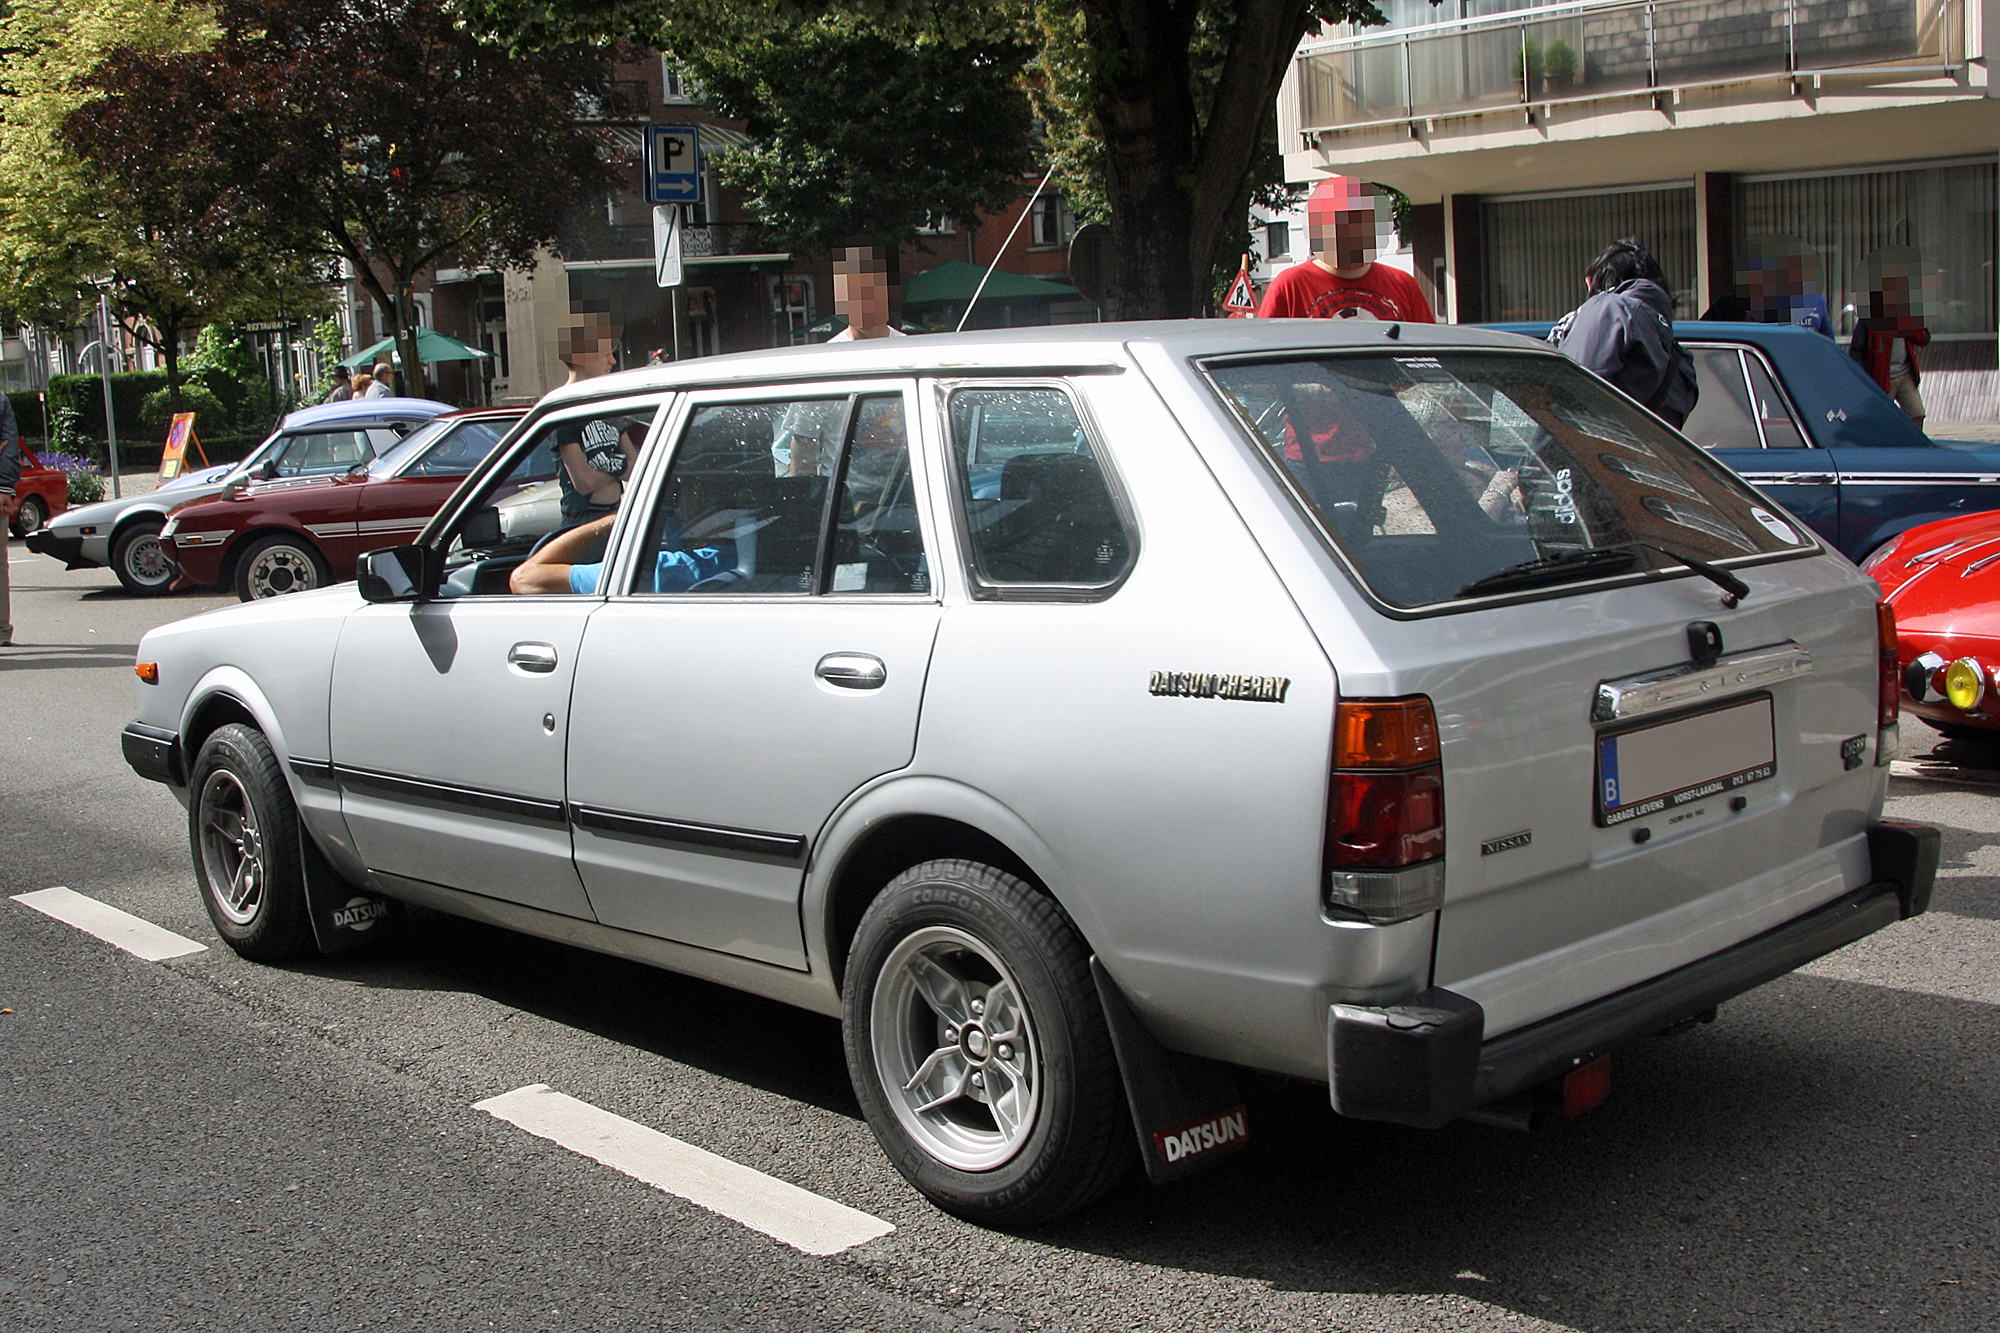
x,y
525,507
877,543
1780,431
1722,416
324,451
741,509
1038,508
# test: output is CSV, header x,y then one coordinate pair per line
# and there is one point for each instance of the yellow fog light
x,y
1964,683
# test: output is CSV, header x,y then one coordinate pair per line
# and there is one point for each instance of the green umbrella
x,y
958,280
431,346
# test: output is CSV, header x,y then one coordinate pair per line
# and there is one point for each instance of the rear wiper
x,y
1556,568
1550,569
1734,589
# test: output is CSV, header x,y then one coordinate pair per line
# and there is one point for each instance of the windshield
x,y
386,464
1457,475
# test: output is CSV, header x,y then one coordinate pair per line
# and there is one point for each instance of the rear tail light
x,y
1385,811
1888,683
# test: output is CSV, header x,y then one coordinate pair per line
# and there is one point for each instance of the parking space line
x,y
134,935
801,1219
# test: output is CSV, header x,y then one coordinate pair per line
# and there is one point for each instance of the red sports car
x,y
1943,579
40,494
275,537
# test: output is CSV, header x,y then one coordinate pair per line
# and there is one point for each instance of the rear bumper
x,y
1425,1062
69,550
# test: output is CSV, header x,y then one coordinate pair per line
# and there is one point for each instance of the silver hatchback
x,y
1085,716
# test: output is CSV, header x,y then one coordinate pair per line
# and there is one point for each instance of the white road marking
x,y
799,1218
132,934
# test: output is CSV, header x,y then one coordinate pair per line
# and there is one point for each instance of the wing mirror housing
x,y
399,574
269,472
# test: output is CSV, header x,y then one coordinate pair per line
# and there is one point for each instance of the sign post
x,y
673,164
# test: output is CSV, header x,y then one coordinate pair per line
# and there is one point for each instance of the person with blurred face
x,y
1885,342
1342,280
868,289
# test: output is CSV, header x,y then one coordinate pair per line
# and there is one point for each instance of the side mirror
x,y
269,472
481,528
398,574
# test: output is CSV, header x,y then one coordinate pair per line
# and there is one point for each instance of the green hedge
x,y
246,404
28,415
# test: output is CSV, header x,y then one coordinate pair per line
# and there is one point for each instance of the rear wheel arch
x,y
885,851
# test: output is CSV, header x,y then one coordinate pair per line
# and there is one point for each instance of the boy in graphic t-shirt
x,y
1342,279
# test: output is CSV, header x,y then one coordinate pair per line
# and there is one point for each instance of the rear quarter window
x,y
1451,477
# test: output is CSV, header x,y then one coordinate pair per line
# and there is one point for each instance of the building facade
x,y
1528,136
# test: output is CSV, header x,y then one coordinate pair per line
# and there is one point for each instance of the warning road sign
x,y
1241,302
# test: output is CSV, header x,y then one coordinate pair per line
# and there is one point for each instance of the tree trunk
x,y
415,383
1145,109
1177,187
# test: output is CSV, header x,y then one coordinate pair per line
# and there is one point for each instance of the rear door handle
x,y
538,657
852,671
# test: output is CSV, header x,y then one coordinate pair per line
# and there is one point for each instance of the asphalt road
x,y
206,1143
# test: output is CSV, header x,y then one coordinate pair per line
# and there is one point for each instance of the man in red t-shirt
x,y
1342,279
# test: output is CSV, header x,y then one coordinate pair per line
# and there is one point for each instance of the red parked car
x,y
40,494
1943,579
273,537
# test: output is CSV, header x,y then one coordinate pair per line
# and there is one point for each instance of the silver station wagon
x,y
1085,716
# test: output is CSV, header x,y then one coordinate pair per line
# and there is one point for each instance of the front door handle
x,y
537,657
852,671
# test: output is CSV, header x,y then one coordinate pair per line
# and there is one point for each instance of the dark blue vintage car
x,y
1791,411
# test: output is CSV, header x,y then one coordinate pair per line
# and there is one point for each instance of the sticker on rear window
x,y
1774,525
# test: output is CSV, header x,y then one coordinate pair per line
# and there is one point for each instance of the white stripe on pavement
x,y
132,934
799,1218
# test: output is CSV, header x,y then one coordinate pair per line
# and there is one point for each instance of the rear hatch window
x,y
1458,477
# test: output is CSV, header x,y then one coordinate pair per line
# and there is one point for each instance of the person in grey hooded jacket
x,y
1625,331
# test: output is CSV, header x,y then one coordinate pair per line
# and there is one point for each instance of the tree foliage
x,y
1158,114
153,222
857,129
386,137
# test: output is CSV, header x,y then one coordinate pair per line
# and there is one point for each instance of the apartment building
x,y
1529,135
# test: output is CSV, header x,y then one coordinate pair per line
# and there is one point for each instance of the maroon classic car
x,y
278,536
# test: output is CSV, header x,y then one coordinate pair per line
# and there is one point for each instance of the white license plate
x,y
1664,766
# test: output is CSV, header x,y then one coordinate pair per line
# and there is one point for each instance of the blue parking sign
x,y
673,164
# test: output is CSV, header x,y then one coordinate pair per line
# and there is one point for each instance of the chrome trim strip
x,y
1920,478
680,833
527,807
1678,687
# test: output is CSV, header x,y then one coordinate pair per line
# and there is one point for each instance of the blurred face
x,y
1341,225
589,343
863,290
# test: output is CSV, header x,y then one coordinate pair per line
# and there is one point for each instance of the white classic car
x,y
1084,715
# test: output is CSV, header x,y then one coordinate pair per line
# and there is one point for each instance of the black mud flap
x,y
1189,1111
343,917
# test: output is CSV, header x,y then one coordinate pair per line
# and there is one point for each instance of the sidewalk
x,y
1985,431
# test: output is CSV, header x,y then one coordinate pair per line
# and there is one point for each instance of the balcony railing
x,y
1579,52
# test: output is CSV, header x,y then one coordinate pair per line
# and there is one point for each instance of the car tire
x,y
244,833
279,564
138,559
29,515
978,1046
